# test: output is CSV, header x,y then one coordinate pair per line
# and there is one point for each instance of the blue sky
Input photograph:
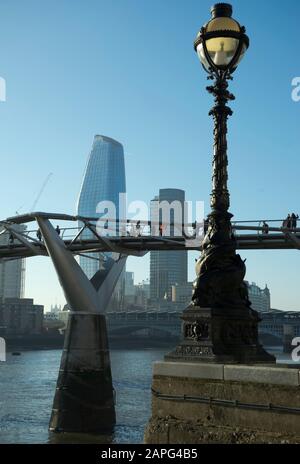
x,y
127,69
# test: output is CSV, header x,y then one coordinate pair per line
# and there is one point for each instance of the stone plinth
x,y
197,403
220,335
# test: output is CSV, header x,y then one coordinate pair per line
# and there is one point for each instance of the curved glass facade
x,y
103,180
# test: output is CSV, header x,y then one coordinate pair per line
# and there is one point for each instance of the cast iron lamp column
x,y
220,325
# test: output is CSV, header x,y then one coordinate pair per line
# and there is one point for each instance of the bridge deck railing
x,y
99,234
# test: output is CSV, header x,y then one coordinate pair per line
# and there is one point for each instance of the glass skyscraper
x,y
103,180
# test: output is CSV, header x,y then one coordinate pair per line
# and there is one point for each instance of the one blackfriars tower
x,y
103,180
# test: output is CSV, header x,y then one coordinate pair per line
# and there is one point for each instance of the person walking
x,y
57,230
39,235
105,227
138,228
287,222
265,228
294,219
194,227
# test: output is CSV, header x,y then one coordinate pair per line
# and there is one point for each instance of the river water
x,y
27,385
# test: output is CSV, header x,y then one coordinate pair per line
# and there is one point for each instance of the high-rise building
x,y
259,297
20,316
182,293
129,284
167,268
12,273
103,180
142,294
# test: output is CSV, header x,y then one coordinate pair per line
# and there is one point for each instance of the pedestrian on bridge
x,y
265,228
39,235
105,227
138,228
287,222
161,230
57,230
11,238
294,219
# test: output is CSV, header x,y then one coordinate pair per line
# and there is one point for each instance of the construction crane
x,y
41,191
38,196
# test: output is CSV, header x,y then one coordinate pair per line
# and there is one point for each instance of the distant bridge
x,y
168,323
281,323
151,323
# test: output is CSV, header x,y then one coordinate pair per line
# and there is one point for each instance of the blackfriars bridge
x,y
166,325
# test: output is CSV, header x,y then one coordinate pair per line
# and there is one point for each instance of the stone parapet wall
x,y
194,403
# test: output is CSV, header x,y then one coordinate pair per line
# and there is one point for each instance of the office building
x,y
260,298
167,268
182,293
103,180
129,284
12,273
20,316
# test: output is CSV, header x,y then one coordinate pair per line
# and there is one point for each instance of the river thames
x,y
27,385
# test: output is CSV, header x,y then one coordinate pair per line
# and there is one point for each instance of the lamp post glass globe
x,y
222,42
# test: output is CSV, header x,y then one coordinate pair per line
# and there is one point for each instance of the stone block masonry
x,y
196,403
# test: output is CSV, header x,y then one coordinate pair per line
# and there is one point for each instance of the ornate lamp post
x,y
220,324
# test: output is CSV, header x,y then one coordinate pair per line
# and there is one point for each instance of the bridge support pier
x,y
84,398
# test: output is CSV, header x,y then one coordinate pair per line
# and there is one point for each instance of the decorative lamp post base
x,y
225,335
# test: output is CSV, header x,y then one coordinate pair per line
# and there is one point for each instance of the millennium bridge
x,y
135,238
85,364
